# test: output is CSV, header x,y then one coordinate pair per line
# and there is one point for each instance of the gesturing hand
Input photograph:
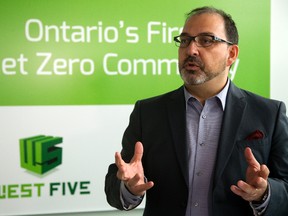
x,y
256,179
132,173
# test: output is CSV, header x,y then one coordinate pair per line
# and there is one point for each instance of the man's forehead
x,y
204,22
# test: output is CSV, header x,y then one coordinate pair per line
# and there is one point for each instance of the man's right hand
x,y
132,174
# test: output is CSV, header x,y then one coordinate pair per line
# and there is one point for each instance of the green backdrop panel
x,y
86,52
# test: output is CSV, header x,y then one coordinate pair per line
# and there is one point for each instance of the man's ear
x,y
233,54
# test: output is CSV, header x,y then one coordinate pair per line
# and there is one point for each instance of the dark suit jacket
x,y
159,123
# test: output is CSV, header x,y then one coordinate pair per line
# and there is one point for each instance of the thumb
x,y
138,152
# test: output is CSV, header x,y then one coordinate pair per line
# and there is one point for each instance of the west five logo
x,y
39,154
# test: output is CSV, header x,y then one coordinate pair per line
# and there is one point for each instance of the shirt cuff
x,y
128,200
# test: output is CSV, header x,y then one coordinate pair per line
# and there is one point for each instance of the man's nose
x,y
192,48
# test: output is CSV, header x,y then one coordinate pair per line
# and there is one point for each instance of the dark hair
x,y
230,26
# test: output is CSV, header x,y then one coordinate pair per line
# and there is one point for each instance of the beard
x,y
201,74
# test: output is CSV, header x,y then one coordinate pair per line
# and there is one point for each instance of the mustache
x,y
193,59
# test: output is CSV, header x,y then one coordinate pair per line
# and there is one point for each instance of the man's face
x,y
198,65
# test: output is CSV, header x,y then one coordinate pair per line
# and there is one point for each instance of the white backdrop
x,y
86,132
279,49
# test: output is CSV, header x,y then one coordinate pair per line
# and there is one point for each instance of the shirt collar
x,y
221,95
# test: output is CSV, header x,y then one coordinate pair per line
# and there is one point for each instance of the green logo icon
x,y
39,154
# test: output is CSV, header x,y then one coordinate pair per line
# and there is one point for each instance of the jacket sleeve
x,y
112,188
130,137
278,166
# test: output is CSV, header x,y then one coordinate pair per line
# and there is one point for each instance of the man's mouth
x,y
191,66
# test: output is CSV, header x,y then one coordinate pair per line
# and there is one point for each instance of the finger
x,y
261,182
264,171
246,191
120,164
236,190
118,160
136,180
251,160
137,186
246,188
141,189
138,152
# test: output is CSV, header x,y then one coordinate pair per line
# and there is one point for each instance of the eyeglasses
x,y
183,41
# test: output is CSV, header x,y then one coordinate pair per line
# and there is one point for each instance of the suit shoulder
x,y
254,98
163,97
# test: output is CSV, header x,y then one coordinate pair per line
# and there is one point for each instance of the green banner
x,y
113,52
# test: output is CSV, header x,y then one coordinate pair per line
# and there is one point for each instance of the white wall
x,y
279,75
279,50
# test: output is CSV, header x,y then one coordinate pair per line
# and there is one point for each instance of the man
x,y
207,148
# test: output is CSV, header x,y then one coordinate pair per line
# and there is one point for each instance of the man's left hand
x,y
256,179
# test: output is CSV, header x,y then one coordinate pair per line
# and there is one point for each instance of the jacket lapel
x,y
176,113
234,109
